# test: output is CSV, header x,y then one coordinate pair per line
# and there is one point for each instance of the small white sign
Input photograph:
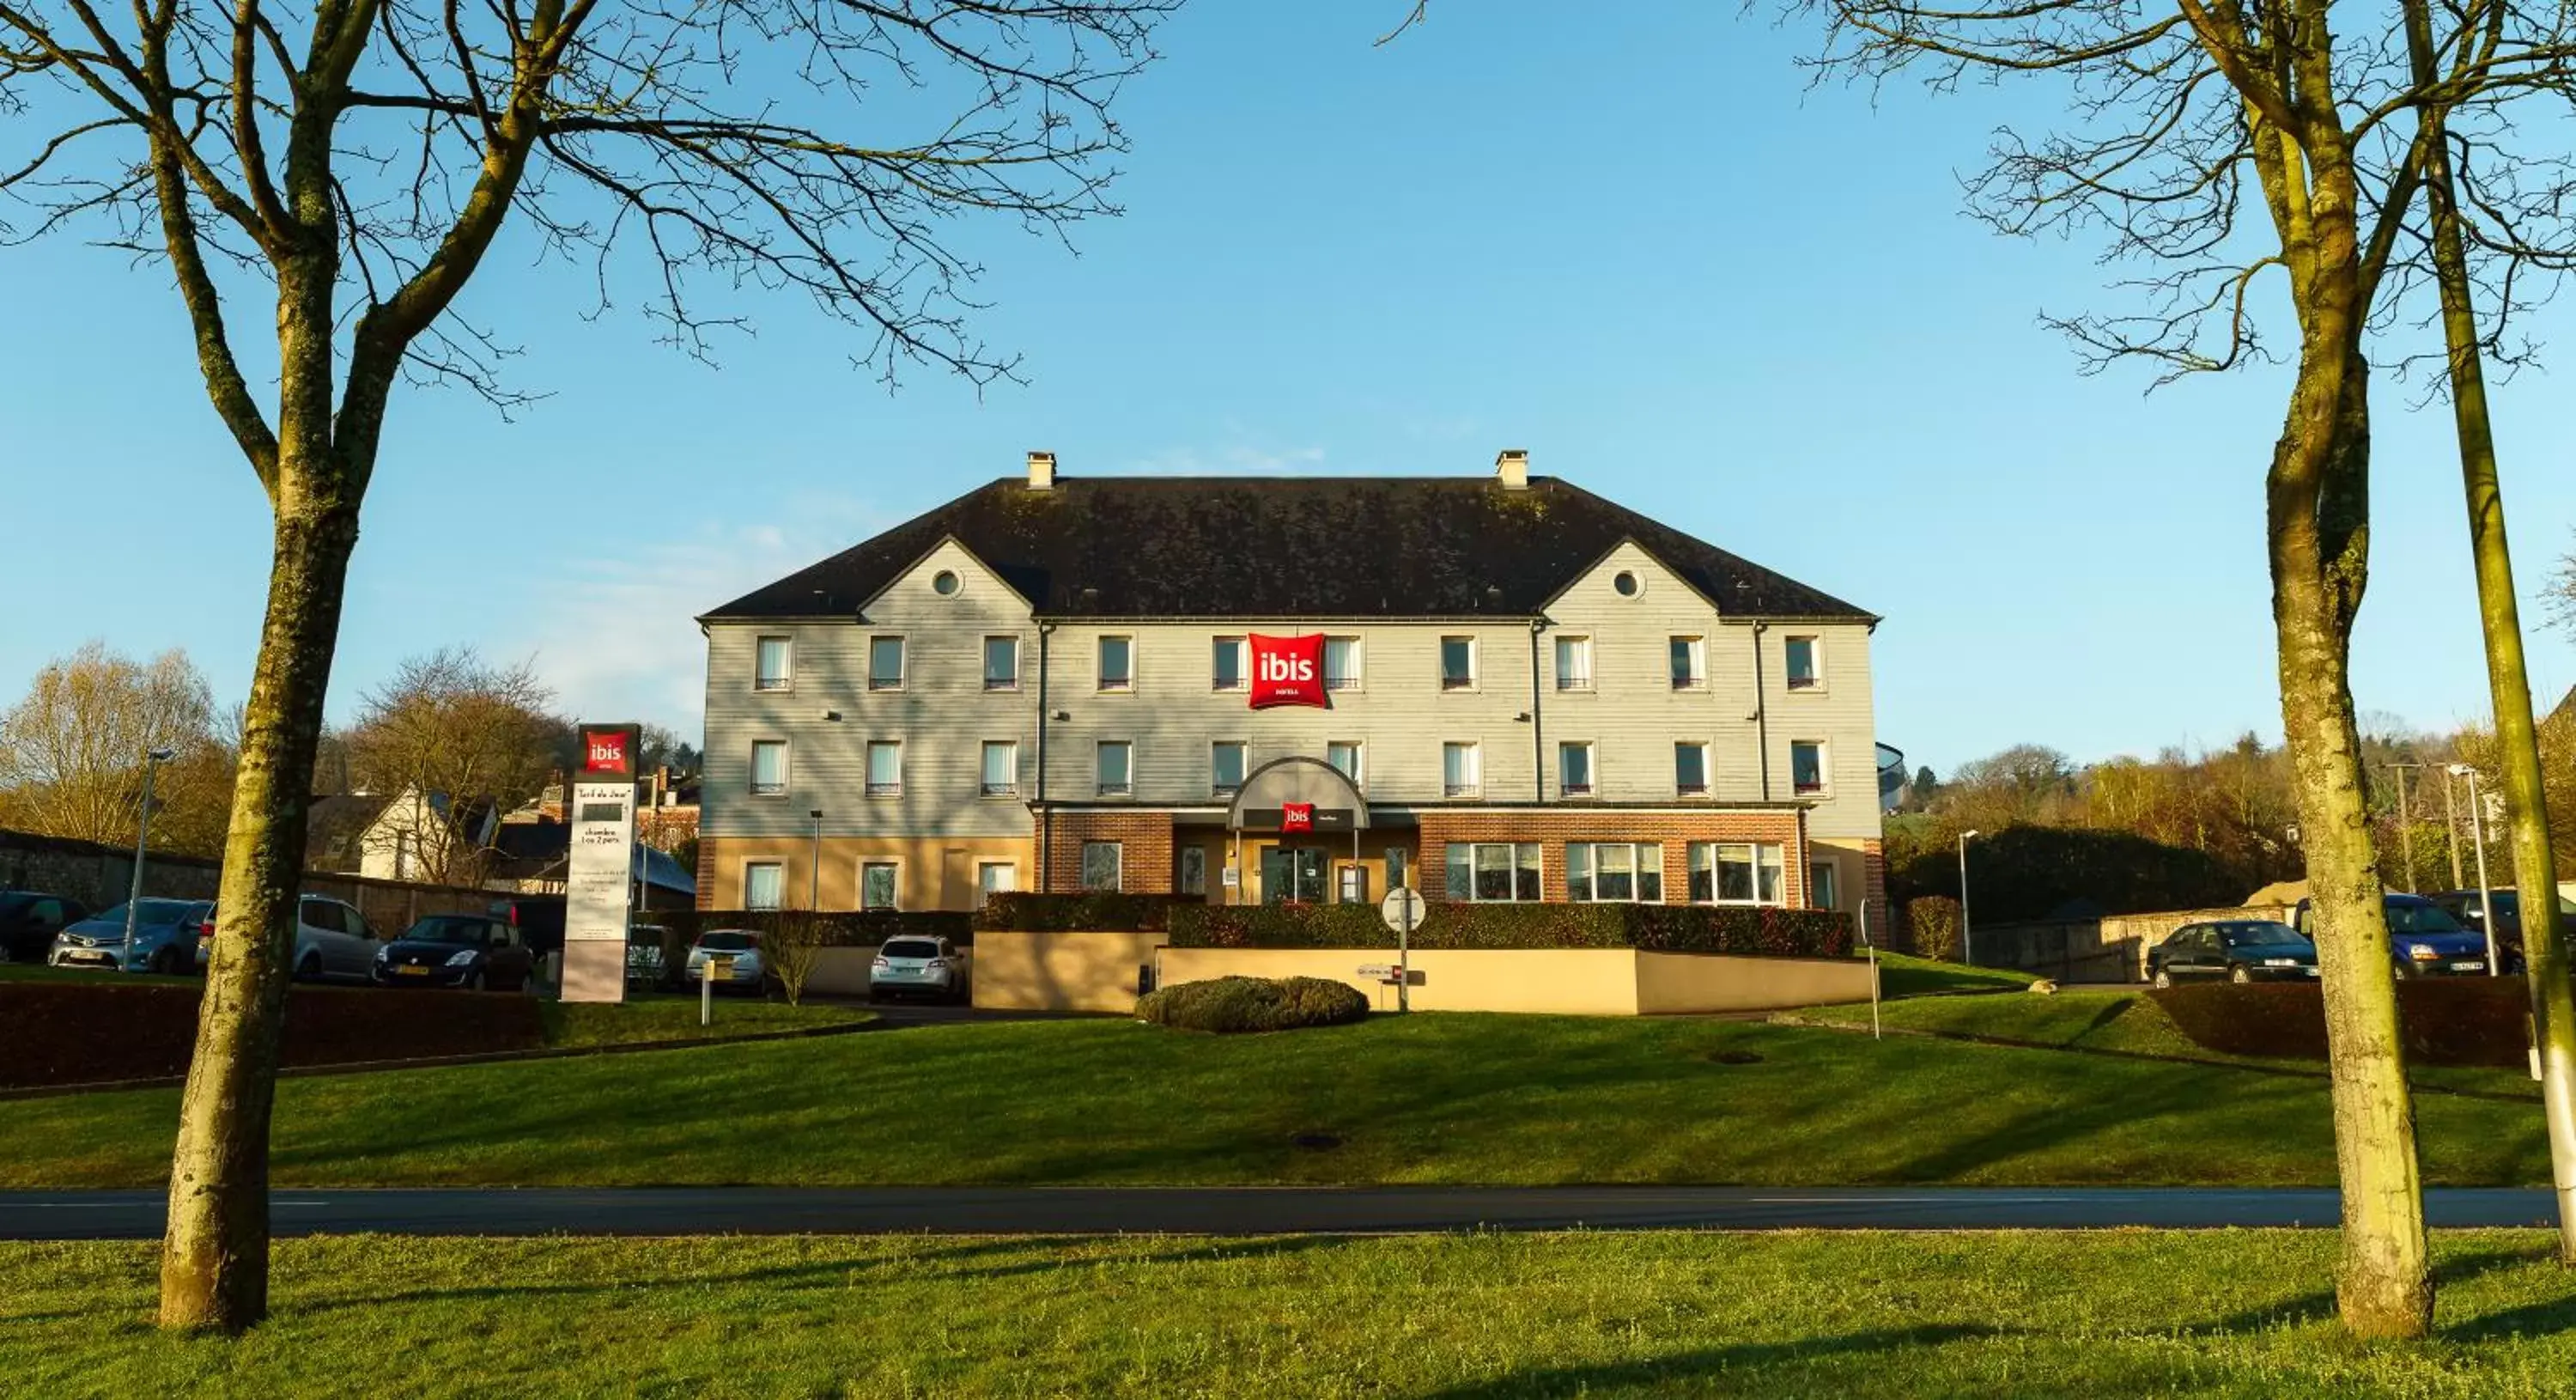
x,y
1380,971
1233,877
1402,908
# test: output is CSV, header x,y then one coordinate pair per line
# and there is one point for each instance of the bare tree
x,y
72,752
454,741
2182,122
357,161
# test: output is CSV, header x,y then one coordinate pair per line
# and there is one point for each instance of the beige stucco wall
x,y
1059,971
931,872
1668,983
1564,981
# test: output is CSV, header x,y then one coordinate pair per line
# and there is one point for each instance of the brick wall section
x,y
1882,915
1147,837
707,874
1675,830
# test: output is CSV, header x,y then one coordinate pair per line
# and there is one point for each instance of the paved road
x,y
1230,1211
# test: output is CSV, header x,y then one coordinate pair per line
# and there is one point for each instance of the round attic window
x,y
1628,584
945,583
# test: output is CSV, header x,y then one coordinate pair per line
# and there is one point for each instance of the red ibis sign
x,y
1296,816
608,751
1288,671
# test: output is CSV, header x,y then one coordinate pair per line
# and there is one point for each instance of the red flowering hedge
x,y
82,1032
2442,1020
1654,928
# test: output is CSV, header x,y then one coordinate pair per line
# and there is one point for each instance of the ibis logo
x,y
1296,816
605,751
1287,671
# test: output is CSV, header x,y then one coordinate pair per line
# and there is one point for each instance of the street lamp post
x,y
152,759
2478,834
2405,823
1967,934
814,872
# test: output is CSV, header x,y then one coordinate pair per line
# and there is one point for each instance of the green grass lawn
x,y
674,1017
2124,1022
1901,975
1432,1098
2243,1314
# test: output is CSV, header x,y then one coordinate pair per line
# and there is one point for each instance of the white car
x,y
918,967
740,944
332,939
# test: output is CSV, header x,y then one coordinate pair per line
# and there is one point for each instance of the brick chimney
x,y
1041,471
1511,468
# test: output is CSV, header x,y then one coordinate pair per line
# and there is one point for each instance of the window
x,y
1491,871
1806,766
1574,770
1347,756
769,768
1225,664
1350,884
1104,865
1457,663
1460,774
946,583
1225,767
1193,871
1804,669
885,767
1001,767
1690,663
1614,872
1690,769
885,663
1117,658
1341,663
1820,886
1574,663
1736,872
1395,867
877,884
1113,765
762,882
773,667
994,877
1627,584
1001,663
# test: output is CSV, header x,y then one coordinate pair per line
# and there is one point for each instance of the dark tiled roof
x,y
1284,547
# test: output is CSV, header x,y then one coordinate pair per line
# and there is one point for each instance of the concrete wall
x,y
99,876
1015,971
1556,981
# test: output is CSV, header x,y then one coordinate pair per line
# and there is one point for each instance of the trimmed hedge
x,y
88,1032
852,928
1653,928
2479,1021
1093,911
1234,1005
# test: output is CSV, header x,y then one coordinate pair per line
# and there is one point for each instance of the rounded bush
x,y
1227,1005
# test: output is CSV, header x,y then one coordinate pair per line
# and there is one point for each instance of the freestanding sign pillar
x,y
598,878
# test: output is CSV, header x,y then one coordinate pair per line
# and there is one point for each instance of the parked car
x,y
2233,950
916,966
740,944
165,932
539,918
2471,911
2423,941
644,954
474,951
332,939
29,920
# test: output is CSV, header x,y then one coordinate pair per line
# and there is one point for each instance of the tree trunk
x,y
2319,542
214,1257
2553,1017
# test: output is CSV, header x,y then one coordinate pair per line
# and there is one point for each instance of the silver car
x,y
929,967
740,944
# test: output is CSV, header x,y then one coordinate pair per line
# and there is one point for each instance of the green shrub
x,y
1093,911
847,928
1653,928
1231,1005
1932,921
2442,1021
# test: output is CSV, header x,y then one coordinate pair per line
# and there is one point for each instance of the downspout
x,y
1046,813
1761,711
1538,729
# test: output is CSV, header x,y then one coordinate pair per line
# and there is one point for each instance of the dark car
x,y
29,921
2471,911
475,951
2232,950
2423,939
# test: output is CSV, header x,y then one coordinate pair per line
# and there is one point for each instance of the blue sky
x,y
1639,246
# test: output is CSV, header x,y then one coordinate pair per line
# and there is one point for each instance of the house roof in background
x,y
1284,547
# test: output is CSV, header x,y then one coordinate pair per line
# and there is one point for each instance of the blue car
x,y
2423,939
165,938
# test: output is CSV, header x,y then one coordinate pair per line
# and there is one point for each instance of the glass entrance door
x,y
1292,873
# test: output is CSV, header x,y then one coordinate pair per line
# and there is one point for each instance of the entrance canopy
x,y
1269,790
